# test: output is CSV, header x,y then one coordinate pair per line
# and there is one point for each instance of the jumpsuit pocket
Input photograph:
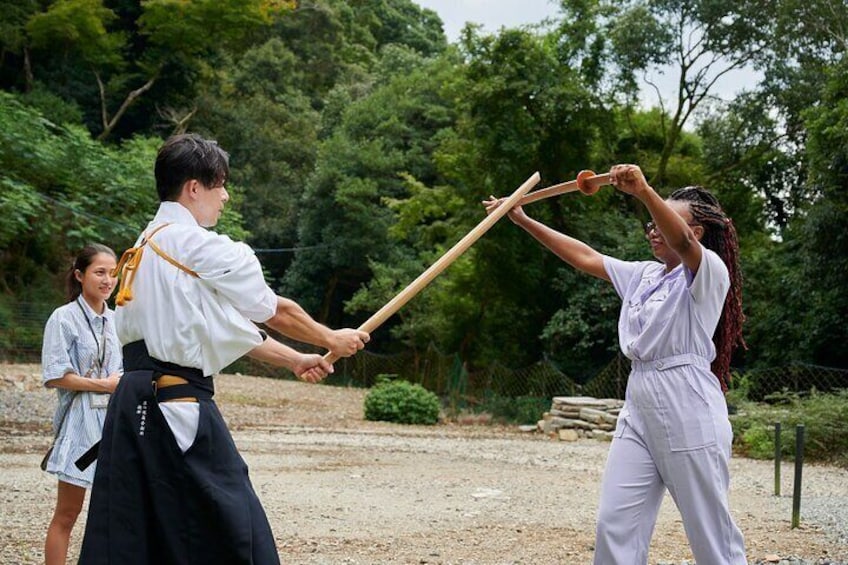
x,y
688,416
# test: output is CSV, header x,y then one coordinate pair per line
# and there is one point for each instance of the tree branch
x,y
110,125
180,123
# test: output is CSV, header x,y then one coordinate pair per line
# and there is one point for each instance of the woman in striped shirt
x,y
81,359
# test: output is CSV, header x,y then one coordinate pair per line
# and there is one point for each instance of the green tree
x,y
335,41
521,109
258,113
264,104
57,180
15,58
822,239
107,60
105,196
402,22
701,42
392,129
774,154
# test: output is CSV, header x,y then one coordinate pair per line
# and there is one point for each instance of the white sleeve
x,y
232,270
710,284
621,273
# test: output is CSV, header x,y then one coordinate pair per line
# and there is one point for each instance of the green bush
x,y
401,402
52,106
823,417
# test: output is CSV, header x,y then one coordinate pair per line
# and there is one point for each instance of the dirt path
x,y
338,489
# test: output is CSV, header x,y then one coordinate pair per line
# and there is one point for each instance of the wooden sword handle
x,y
586,182
442,262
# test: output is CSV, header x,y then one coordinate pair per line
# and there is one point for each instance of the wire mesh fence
x,y
447,375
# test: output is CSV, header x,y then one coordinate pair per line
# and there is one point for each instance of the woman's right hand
x,y
517,214
111,382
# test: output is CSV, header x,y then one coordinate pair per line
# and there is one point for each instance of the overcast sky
x,y
495,14
492,14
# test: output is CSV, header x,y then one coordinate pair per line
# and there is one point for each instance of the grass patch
x,y
518,410
241,399
824,417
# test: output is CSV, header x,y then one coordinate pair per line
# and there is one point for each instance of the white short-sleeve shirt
x,y
665,314
205,322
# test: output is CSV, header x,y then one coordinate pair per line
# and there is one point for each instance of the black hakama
x,y
152,504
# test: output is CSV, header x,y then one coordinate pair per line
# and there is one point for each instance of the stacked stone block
x,y
575,417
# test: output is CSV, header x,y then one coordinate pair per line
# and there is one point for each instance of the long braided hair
x,y
720,237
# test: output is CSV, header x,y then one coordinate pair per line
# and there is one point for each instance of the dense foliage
x,y
362,143
822,415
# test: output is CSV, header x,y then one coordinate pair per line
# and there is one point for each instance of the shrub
x,y
823,417
401,402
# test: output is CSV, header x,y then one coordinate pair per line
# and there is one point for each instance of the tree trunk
x,y
29,79
668,147
330,291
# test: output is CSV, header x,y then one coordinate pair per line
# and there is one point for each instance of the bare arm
x,y
571,250
72,381
307,367
678,235
291,320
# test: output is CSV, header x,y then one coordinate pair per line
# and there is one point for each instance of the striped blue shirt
x,y
71,346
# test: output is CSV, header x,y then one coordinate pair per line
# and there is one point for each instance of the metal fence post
x,y
777,457
799,463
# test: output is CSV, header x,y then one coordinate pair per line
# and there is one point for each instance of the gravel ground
x,y
340,490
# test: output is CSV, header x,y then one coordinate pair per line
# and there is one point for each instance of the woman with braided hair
x,y
680,320
720,236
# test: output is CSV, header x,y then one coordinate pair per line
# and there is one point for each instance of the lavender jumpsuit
x,y
673,431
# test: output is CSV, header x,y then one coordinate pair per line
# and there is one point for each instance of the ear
x,y
78,275
699,232
190,189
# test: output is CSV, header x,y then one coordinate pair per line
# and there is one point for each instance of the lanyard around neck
x,y
101,343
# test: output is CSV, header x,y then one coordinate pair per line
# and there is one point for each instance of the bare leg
x,y
68,506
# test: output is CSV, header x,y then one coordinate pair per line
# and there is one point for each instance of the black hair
x,y
719,236
189,156
82,262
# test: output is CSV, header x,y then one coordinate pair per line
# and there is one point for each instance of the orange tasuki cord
x,y
171,260
130,261
126,271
